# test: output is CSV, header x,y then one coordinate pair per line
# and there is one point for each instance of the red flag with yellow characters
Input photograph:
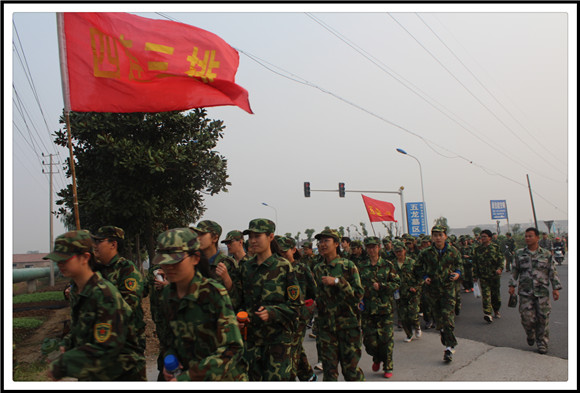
x,y
118,62
379,210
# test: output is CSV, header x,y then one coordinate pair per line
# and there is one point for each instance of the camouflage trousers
x,y
458,296
442,306
342,346
269,362
301,367
408,307
467,276
535,313
490,294
379,339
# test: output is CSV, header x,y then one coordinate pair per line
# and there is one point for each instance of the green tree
x,y
309,232
143,172
297,237
364,229
443,222
516,229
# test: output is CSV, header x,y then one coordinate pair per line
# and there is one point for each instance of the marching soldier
x,y
380,281
100,346
532,273
198,317
339,291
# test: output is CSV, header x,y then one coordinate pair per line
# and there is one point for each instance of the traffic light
x,y
307,189
341,190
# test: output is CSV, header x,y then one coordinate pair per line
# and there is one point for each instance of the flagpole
x,y
66,98
372,226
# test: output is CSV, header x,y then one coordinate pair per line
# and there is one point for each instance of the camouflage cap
x,y
439,228
356,243
285,243
372,240
261,225
307,245
333,233
387,239
174,245
398,245
233,235
109,232
426,239
69,244
208,226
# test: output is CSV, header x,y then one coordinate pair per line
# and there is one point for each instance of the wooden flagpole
x,y
66,98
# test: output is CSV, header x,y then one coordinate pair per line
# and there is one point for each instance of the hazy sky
x,y
481,95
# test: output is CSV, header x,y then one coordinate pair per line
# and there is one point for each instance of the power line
x,y
475,60
414,89
471,93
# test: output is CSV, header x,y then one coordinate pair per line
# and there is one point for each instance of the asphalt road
x,y
508,331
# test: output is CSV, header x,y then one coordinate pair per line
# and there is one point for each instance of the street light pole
x,y
421,174
275,212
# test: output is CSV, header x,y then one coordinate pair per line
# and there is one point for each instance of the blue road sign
x,y
498,210
416,218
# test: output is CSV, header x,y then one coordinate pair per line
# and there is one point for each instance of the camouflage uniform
x,y
440,294
101,346
128,280
208,226
387,255
357,259
155,307
408,303
302,368
378,312
509,249
202,330
486,261
467,256
273,285
338,322
533,272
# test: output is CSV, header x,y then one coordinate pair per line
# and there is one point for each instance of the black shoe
x,y
488,318
457,310
448,356
531,341
542,349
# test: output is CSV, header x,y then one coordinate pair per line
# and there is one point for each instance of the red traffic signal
x,y
307,189
341,190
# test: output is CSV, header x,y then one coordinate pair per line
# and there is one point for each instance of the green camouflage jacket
x,y
466,250
128,280
100,346
233,271
408,276
534,271
438,266
387,255
338,304
272,284
307,286
202,332
486,260
378,302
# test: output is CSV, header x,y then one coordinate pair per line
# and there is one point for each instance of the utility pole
x,y
532,199
50,172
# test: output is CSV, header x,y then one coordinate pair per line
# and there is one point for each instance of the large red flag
x,y
379,210
118,62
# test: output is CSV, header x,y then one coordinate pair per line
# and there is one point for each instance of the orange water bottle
x,y
243,318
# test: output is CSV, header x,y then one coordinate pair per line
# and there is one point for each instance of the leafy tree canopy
x,y
143,172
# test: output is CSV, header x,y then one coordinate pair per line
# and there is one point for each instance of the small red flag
x,y
379,210
118,62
